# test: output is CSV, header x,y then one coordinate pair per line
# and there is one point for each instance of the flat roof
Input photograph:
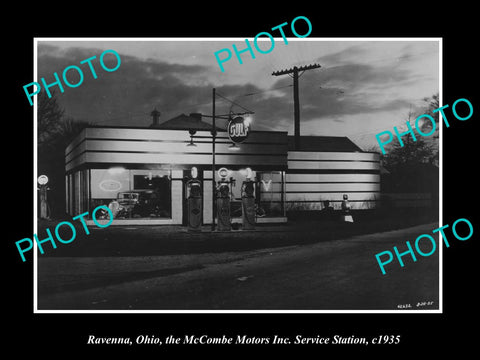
x,y
323,144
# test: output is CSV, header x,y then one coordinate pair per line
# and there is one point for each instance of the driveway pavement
x,y
306,274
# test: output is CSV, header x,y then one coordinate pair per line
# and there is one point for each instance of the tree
x,y
424,150
412,152
413,166
55,132
49,116
54,128
432,103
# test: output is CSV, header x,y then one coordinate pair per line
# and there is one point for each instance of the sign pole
x,y
214,134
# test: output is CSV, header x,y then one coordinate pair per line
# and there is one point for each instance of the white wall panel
x,y
358,156
341,187
331,196
332,165
332,178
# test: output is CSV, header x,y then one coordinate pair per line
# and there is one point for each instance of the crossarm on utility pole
x,y
296,96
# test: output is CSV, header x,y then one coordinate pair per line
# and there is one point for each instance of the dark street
x,y
307,274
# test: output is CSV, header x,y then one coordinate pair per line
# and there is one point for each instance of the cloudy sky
x,y
362,88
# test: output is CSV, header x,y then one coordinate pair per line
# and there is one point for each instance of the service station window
x,y
268,192
270,188
132,193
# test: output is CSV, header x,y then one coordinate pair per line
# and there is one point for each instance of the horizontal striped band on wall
x,y
334,171
126,134
277,194
332,196
331,178
196,140
145,158
158,166
100,145
169,147
317,205
314,202
76,141
339,182
332,156
333,165
336,187
332,201
332,161
173,154
407,196
354,188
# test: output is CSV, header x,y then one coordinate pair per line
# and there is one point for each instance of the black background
x,y
59,335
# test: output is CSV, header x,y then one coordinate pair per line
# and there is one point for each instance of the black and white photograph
x,y
303,198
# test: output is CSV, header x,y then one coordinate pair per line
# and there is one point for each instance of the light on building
x,y
194,172
116,170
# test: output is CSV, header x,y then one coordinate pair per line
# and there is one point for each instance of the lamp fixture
x,y
191,143
192,133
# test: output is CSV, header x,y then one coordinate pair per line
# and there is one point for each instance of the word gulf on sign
x,y
238,129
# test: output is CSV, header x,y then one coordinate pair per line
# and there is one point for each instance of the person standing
x,y
328,211
346,207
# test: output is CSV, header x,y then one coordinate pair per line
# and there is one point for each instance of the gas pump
x,y
248,202
194,202
223,201
43,188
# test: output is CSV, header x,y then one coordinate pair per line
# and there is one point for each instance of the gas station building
x,y
143,174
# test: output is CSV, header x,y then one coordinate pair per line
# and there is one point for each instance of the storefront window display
x,y
268,192
132,193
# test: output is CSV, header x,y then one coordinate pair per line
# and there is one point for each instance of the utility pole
x,y
296,98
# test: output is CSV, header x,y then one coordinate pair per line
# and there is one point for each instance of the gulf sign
x,y
238,129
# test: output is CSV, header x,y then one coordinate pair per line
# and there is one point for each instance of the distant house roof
x,y
323,144
186,122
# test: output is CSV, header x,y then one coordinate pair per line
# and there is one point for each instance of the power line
x,y
264,91
234,103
